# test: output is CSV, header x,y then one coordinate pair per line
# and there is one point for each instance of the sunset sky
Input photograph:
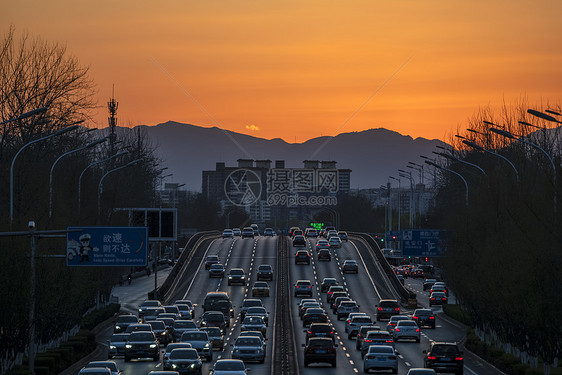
x,y
301,69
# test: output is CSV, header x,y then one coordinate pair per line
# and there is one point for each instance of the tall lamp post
x,y
91,165
480,148
458,174
100,185
408,175
59,132
92,144
451,157
399,192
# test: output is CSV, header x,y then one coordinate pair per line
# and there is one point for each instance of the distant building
x,y
270,194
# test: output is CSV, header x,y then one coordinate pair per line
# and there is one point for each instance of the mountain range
x,y
373,155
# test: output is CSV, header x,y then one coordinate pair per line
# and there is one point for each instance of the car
x,y
307,305
428,283
173,309
327,282
247,232
352,325
254,333
188,303
314,315
387,308
417,273
406,329
123,321
349,266
438,298
147,305
95,371
169,348
324,255
342,236
228,367
322,244
253,323
320,350
331,233
440,286
215,336
312,233
260,289
108,364
362,332
401,279
303,288
237,232
210,260
265,272
237,276
214,319
376,338
247,303
302,257
255,228
292,230
299,240
142,344
393,320
216,270
380,357
159,329
185,311
332,290
322,233
297,232
227,233
116,345
218,301
259,311
249,348
178,327
337,298
269,232
184,361
335,242
421,371
199,340
424,318
138,327
320,330
346,307
165,315
444,357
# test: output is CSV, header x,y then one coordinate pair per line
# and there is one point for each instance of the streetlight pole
x,y
408,174
451,157
399,192
100,185
59,132
92,164
458,174
480,148
92,144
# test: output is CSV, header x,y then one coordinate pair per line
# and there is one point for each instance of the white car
x,y
406,329
108,364
228,367
380,357
335,242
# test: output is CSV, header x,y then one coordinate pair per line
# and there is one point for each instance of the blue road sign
x,y
421,242
107,246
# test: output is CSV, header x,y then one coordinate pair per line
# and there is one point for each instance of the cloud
x,y
253,128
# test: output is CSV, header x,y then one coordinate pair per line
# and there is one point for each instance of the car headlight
x,y
153,345
164,333
193,365
207,346
117,327
230,277
112,347
235,351
128,346
174,365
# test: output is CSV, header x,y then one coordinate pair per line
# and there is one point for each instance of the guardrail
x,y
377,253
183,261
285,360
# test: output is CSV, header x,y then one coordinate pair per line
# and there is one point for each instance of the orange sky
x,y
300,69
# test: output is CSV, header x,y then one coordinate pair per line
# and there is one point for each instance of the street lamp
x,y
100,185
59,132
544,116
92,164
92,144
451,157
408,175
458,174
26,115
480,148
399,192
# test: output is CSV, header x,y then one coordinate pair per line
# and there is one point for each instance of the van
x,y
218,301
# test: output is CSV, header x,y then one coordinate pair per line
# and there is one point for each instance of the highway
x,y
366,287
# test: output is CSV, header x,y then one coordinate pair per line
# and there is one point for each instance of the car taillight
x,y
417,329
458,358
393,357
432,298
309,286
397,309
431,317
397,329
370,357
368,340
379,308
331,332
309,332
431,357
414,317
